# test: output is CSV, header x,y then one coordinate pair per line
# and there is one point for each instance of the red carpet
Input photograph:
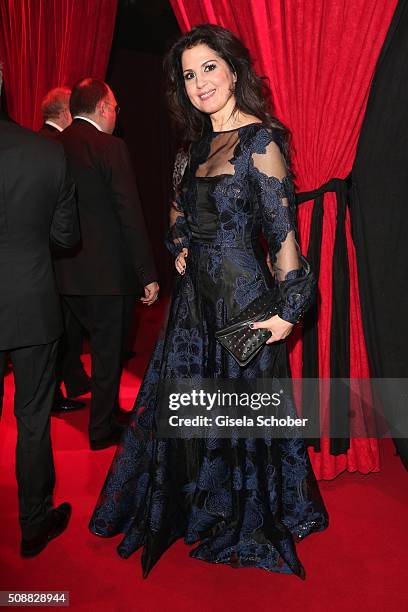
x,y
359,563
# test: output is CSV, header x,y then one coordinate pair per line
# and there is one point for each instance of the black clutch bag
x,y
242,342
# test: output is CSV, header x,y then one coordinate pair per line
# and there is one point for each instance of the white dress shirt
x,y
54,125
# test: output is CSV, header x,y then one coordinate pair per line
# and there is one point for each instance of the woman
x,y
244,500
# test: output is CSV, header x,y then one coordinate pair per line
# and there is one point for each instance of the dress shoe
x,y
65,404
112,440
57,523
82,386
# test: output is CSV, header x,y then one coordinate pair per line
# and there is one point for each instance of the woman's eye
x,y
210,67
188,76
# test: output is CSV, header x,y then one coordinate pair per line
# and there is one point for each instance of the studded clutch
x,y
242,342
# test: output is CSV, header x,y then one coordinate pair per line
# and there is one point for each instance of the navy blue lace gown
x,y
244,502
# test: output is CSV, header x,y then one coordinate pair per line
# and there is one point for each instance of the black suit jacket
x,y
49,131
37,202
114,257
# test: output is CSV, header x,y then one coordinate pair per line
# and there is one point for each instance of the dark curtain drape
x,y
379,213
319,57
151,149
48,43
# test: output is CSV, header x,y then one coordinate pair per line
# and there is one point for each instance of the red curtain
x,y
320,57
48,43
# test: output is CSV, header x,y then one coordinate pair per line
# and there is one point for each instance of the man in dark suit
x,y
36,205
114,259
57,117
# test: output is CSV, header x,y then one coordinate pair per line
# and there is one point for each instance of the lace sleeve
x,y
178,235
276,200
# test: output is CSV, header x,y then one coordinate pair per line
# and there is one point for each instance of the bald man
x,y
114,260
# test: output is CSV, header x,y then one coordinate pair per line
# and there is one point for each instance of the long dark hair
x,y
252,94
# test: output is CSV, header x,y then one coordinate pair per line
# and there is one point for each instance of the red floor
x,y
359,563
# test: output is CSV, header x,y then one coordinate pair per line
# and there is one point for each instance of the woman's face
x,y
208,79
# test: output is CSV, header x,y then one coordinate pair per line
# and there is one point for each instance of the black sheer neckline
x,y
239,128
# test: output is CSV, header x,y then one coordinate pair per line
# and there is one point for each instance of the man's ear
x,y
100,107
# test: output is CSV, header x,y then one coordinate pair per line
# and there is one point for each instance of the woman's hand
x,y
180,261
269,264
279,328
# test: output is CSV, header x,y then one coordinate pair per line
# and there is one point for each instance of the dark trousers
x,y
103,316
34,376
130,301
70,369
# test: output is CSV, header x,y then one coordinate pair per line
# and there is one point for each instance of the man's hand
x,y
180,262
278,327
151,293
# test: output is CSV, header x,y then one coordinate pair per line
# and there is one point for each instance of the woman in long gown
x,y
244,501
